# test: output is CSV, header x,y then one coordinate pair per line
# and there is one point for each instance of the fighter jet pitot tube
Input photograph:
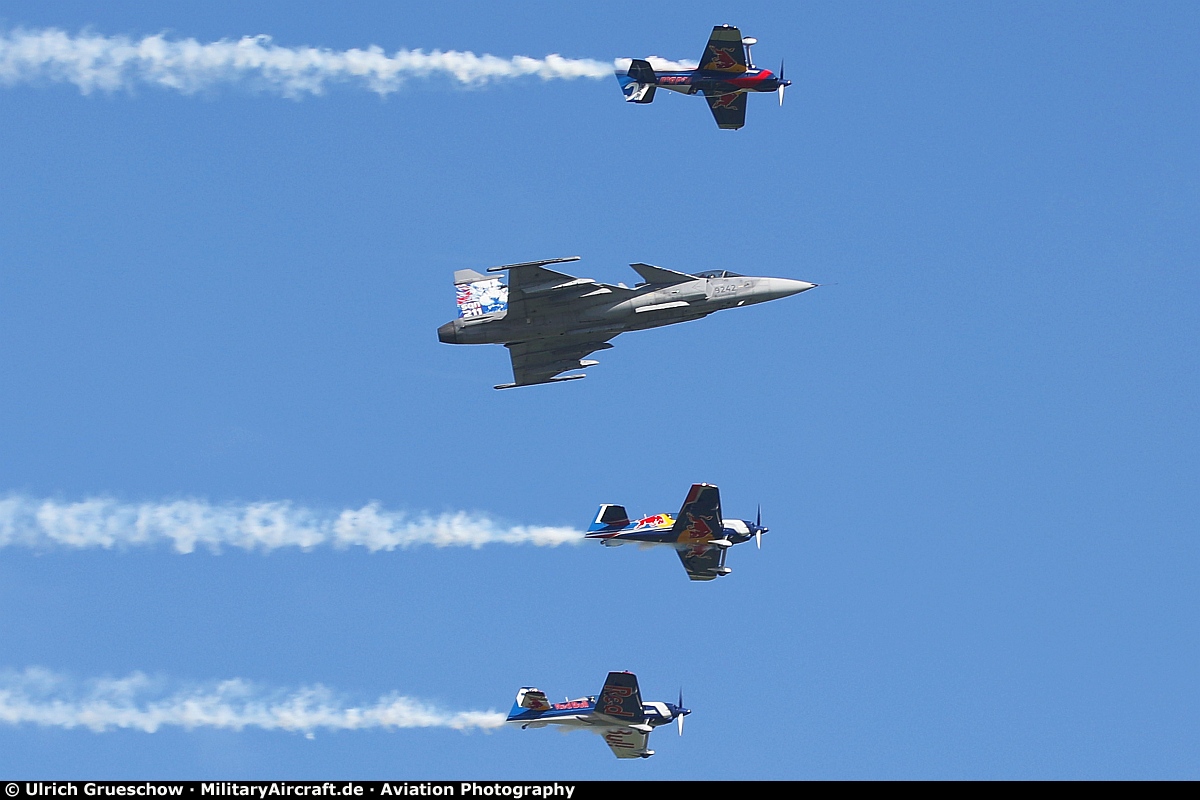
x,y
550,321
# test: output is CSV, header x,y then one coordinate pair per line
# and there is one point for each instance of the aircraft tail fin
x,y
609,518
621,699
477,294
639,83
700,517
529,699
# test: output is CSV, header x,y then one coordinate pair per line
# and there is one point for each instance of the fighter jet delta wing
x,y
536,293
533,290
542,360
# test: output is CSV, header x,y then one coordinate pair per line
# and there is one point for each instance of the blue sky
x,y
975,444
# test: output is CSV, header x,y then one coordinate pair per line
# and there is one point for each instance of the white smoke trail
x,y
112,63
185,524
40,697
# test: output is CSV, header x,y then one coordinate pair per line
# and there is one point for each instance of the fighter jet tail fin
x,y
477,294
639,83
609,518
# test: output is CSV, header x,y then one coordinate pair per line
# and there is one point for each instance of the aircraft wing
x,y
534,290
700,562
626,742
621,700
729,110
542,360
724,51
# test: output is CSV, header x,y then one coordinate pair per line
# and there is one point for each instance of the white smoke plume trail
x,y
111,63
186,524
137,702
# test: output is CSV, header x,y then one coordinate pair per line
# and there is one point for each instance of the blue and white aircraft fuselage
x,y
699,535
617,713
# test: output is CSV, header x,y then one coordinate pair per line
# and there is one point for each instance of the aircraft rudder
x,y
476,294
639,83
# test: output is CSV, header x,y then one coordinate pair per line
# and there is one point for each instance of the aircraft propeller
x,y
681,712
781,83
759,530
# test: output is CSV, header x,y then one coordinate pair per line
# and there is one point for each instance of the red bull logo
x,y
725,100
697,528
571,704
655,521
722,58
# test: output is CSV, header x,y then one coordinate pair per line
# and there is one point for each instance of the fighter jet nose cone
x,y
785,287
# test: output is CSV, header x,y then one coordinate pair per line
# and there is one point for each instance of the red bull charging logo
x,y
722,58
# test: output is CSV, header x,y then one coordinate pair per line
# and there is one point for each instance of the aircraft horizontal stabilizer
x,y
610,518
533,699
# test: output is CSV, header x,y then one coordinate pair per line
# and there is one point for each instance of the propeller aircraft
x,y
700,535
618,714
725,75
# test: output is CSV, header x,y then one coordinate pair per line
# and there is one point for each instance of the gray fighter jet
x,y
550,320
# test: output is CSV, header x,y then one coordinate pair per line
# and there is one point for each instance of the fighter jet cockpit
x,y
719,273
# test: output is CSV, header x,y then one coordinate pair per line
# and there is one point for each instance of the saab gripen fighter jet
x,y
618,714
700,535
549,320
726,73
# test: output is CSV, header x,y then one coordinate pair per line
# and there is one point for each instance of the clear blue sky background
x,y
976,445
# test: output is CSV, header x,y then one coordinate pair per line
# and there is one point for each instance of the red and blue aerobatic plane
x,y
726,73
618,714
700,536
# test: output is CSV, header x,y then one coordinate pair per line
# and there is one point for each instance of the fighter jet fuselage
x,y
649,307
549,320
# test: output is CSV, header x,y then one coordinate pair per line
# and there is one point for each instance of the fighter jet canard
x,y
700,535
726,73
617,713
550,321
